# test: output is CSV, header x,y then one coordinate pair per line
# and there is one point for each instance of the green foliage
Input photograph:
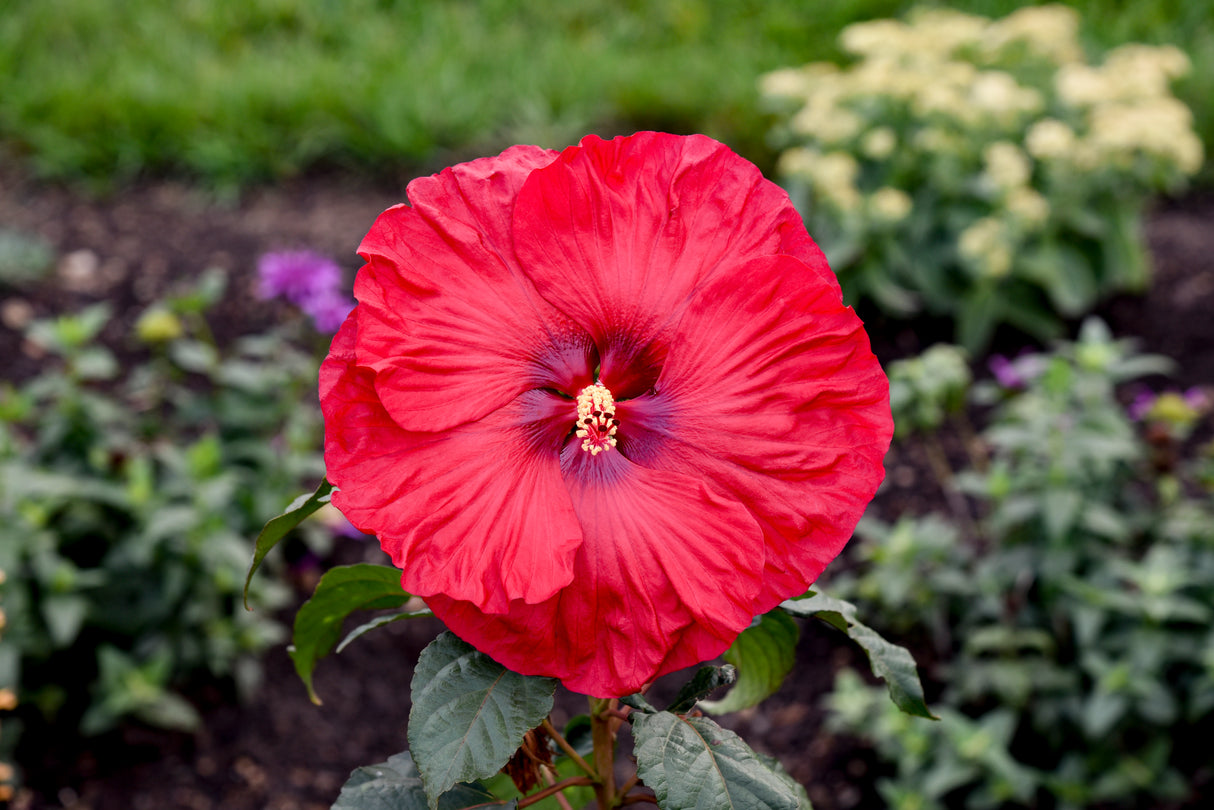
x,y
471,717
469,713
691,762
924,390
340,592
891,663
125,688
128,492
233,90
280,526
1072,619
396,785
763,654
23,257
706,681
983,170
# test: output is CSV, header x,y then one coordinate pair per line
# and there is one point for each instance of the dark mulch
x,y
279,751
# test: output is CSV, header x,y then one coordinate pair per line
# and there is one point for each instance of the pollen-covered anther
x,y
596,422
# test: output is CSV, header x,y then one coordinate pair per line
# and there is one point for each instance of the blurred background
x,y
1016,198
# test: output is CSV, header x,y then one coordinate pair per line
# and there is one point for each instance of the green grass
x,y
235,91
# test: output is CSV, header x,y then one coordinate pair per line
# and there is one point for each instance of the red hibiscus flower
x,y
602,406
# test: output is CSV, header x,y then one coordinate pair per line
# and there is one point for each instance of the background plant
x,y
128,492
1073,624
233,92
238,91
983,169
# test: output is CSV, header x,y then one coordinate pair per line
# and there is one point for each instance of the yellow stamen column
x,y
596,422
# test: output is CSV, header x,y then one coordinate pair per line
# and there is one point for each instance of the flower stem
x,y
572,781
564,745
550,776
602,730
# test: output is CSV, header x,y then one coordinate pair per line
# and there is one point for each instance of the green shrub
x,y
1072,623
127,497
980,169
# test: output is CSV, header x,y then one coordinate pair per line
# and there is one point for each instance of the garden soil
x,y
277,750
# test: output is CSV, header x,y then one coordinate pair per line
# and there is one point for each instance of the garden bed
x,y
280,751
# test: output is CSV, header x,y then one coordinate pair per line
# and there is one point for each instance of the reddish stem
x,y
573,781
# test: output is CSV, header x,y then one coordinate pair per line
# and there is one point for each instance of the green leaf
x,y
340,592
170,711
637,702
579,733
278,528
194,355
703,683
890,662
64,614
1060,509
380,621
775,767
469,713
978,318
396,785
691,762
764,655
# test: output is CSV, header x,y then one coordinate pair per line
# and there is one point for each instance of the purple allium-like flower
x,y
327,309
297,276
308,280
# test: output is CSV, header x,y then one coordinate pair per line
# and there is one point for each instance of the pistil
x,y
596,422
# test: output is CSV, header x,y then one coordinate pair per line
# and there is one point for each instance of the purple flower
x,y
308,280
1140,405
1197,399
1018,373
297,276
346,529
327,309
1005,372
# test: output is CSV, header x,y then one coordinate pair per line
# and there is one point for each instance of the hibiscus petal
x,y
771,393
665,578
622,255
424,495
450,324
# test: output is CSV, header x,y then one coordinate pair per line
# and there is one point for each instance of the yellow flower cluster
x,y
1130,73
988,98
986,247
889,205
1029,208
957,156
1051,32
1007,167
1129,110
1049,139
1160,128
831,174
